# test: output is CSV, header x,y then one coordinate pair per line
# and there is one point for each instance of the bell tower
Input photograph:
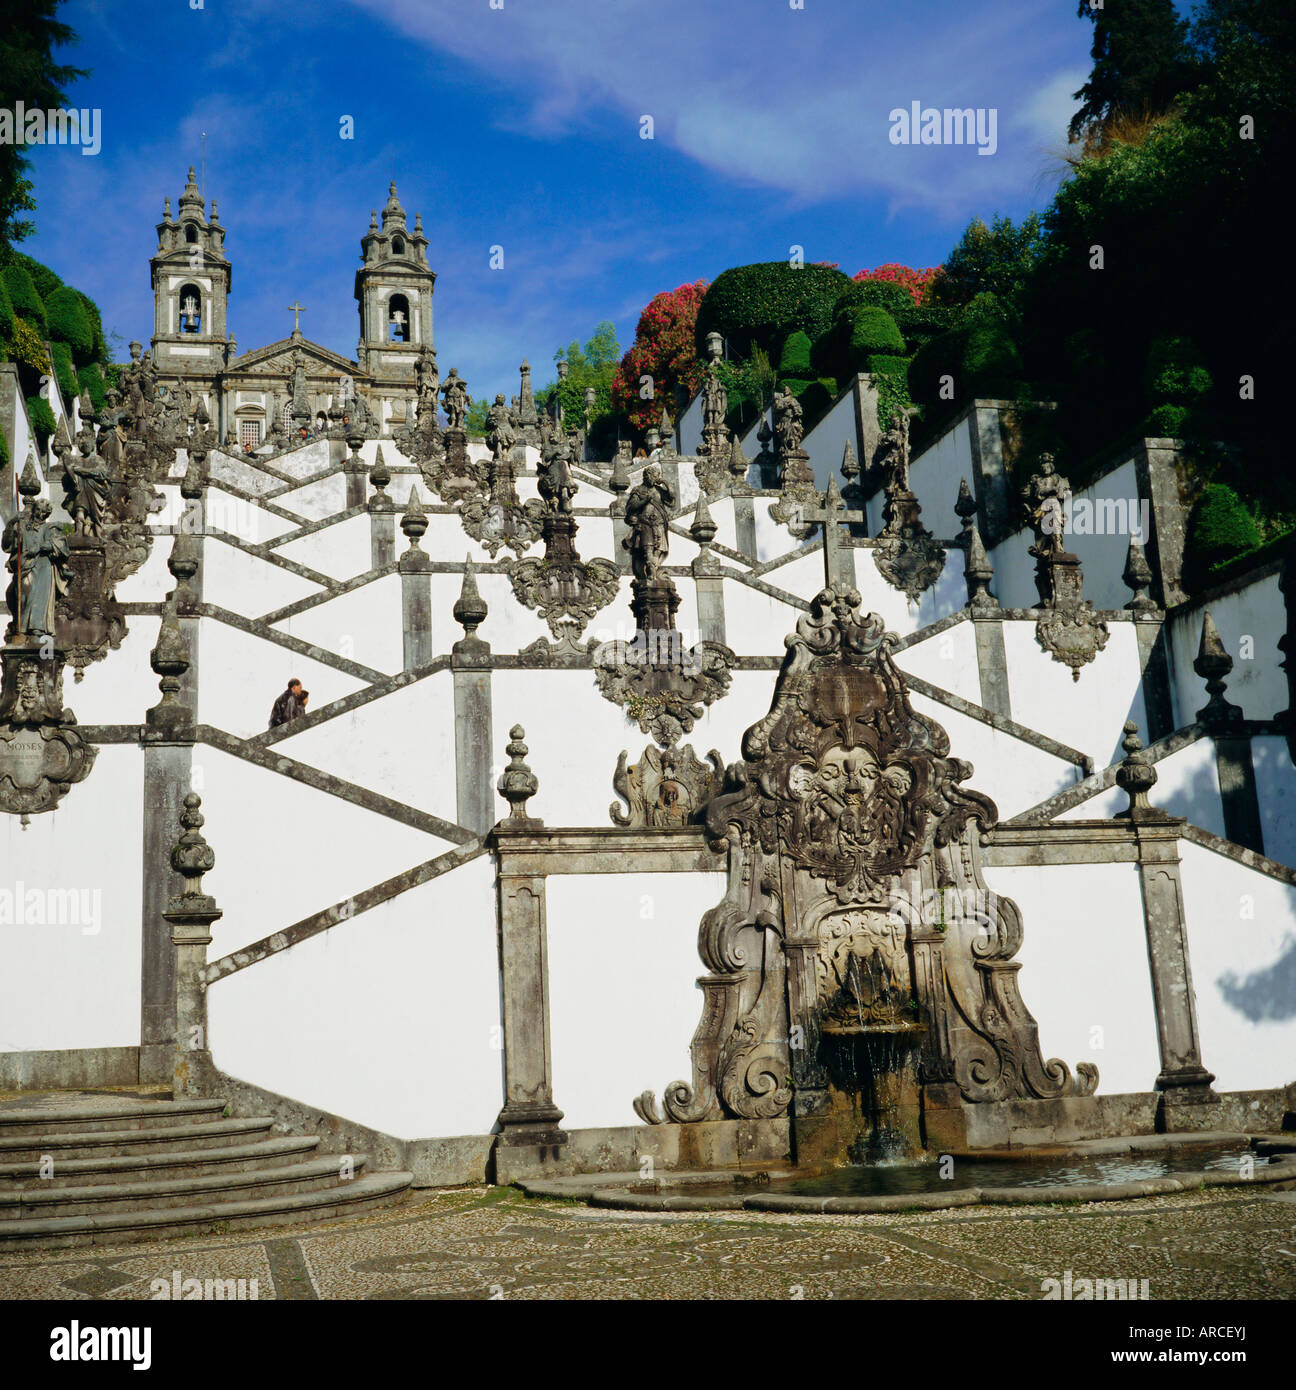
x,y
393,289
191,285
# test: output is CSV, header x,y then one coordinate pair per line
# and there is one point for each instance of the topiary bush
x,y
762,304
45,280
920,323
938,358
871,331
65,313
878,294
1169,422
40,415
91,379
26,302
794,360
1220,528
64,372
1176,372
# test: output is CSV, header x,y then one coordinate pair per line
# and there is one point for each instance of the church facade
x,y
277,389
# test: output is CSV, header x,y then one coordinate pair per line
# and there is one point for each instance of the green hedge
x,y
41,416
1176,372
26,302
6,316
871,331
91,379
877,294
1169,422
45,280
919,323
65,313
891,377
794,360
64,372
1220,528
764,303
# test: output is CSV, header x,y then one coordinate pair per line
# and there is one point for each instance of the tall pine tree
x,y
1141,61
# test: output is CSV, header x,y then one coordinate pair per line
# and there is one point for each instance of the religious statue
x,y
554,481
788,427
427,382
499,428
457,400
647,516
86,484
38,560
893,453
715,399
1043,501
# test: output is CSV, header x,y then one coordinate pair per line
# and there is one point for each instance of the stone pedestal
x,y
193,1072
1183,1079
654,604
529,1118
416,608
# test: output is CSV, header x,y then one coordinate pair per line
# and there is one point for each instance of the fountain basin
x,y
1090,1171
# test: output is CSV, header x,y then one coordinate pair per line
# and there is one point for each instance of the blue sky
x,y
520,127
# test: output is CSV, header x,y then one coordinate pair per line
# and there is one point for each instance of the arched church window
x,y
398,320
191,233
398,246
190,309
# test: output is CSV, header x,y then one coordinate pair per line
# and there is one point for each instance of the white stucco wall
x,y
934,477
303,851
1087,714
1084,972
1250,622
1242,940
391,1019
1015,773
623,966
74,981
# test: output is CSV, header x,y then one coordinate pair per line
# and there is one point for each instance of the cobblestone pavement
x,y
494,1243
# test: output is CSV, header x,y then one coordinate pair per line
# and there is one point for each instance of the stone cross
x,y
830,516
297,310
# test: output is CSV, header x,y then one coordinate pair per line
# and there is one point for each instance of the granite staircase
x,y
80,1168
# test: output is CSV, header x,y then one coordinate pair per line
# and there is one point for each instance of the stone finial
x,y
665,429
380,476
850,464
192,857
619,482
715,345
29,483
1213,664
1137,576
965,507
703,530
470,608
518,784
738,464
183,564
1136,776
169,719
414,522
978,571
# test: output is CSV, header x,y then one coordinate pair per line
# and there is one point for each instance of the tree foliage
x,y
662,362
29,34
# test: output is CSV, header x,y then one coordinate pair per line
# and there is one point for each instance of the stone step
x,y
248,1183
115,1142
117,1228
103,1115
179,1163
